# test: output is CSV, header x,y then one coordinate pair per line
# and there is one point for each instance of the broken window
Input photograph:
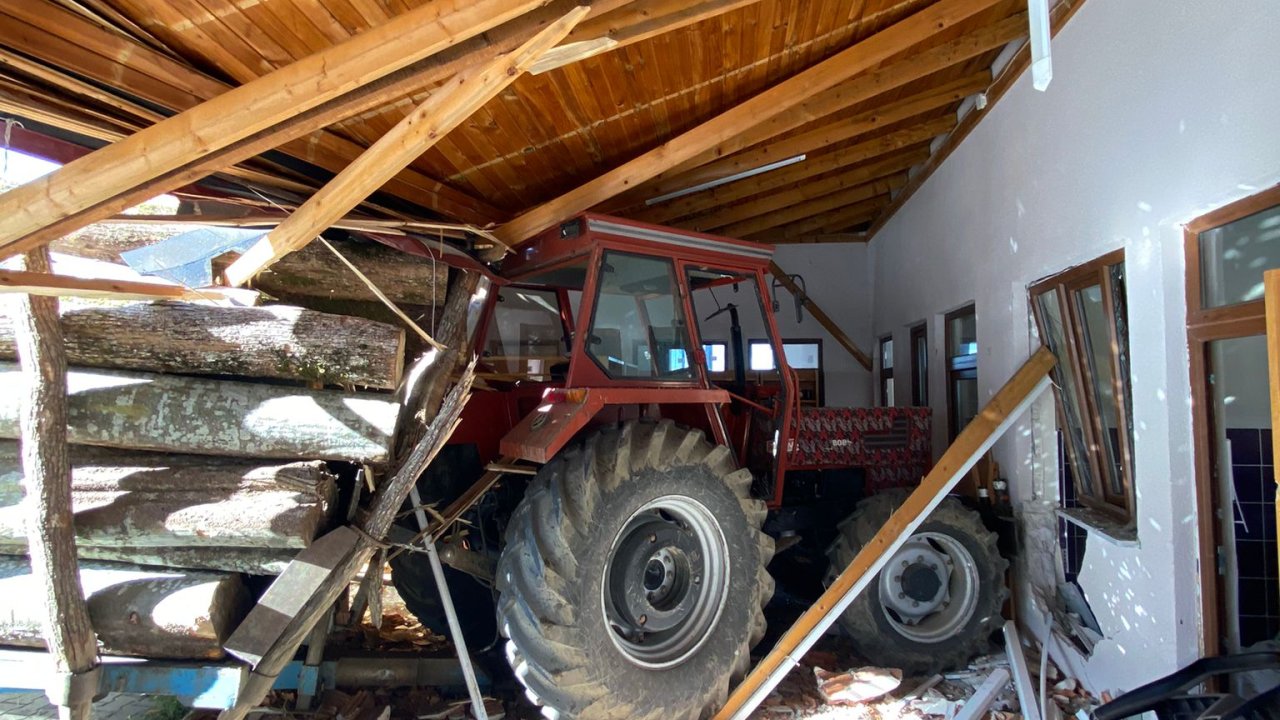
x,y
1082,319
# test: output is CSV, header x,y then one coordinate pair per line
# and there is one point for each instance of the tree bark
x,y
156,503
136,611
41,415
279,341
170,413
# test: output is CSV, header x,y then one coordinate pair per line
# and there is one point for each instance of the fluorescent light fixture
x,y
725,180
1041,60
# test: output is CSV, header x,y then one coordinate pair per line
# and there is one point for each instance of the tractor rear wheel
x,y
633,579
936,603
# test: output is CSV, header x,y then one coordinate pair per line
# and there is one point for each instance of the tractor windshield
x,y
638,329
526,338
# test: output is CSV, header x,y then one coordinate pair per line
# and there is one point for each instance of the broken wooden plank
x,y
144,612
444,110
170,413
51,285
976,706
978,436
276,341
241,112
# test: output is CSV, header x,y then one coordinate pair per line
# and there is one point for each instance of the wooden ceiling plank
x,y
857,90
816,238
777,99
826,136
1060,15
49,284
239,113
825,203
75,86
434,119
201,38
822,223
777,200
124,24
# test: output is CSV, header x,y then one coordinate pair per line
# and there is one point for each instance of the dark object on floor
x,y
1167,696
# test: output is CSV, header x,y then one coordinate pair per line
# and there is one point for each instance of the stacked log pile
x,y
208,442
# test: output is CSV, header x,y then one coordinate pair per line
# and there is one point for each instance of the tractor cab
x,y
604,320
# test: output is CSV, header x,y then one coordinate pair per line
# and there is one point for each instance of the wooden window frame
x,y
886,373
1066,285
1204,326
919,365
954,373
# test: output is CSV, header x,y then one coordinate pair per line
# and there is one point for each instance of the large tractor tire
x,y
633,579
936,603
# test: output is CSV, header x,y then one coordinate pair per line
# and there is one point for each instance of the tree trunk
x,y
278,341
137,611
170,413
40,411
162,502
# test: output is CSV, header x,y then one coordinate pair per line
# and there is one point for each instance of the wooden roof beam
x,y
817,139
774,201
51,285
779,99
240,113
1061,13
419,130
860,89
826,222
811,167
834,201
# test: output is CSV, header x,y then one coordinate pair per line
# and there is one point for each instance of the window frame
x,y
919,338
886,373
716,373
954,373
1066,286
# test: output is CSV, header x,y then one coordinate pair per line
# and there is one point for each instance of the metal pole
x,y
446,599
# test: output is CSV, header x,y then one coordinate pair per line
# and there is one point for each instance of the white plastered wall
x,y
1158,111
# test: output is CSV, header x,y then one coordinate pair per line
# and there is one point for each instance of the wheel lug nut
x,y
897,578
643,619
933,567
915,603
697,579
902,596
905,563
653,538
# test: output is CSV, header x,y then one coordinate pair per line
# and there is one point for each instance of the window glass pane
x,y
761,356
802,356
888,392
1096,333
1053,333
964,398
525,336
1119,295
716,353
919,367
886,354
1234,256
639,329
963,335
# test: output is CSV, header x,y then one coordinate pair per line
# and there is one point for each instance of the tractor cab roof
x,y
557,256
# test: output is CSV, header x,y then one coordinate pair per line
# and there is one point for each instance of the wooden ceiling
x,y
94,71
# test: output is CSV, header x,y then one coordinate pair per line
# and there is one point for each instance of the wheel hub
x,y
929,589
666,581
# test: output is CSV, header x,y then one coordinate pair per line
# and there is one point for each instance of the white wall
x,y
1158,111
838,279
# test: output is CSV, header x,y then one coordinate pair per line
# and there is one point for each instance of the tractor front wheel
x,y
633,579
936,603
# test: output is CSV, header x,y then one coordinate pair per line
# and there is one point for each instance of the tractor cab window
x,y
638,329
526,339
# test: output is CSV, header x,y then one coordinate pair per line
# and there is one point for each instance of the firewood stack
x,y
209,441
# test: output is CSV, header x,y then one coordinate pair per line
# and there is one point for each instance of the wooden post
x,y
1271,300
47,470
823,319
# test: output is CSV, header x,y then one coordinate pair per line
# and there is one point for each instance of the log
x,y
135,611
202,416
278,341
162,502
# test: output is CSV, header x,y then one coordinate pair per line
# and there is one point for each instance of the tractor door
x,y
730,313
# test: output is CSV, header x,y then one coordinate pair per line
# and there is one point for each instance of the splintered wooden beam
x,y
629,24
823,319
817,206
774,101
418,131
241,112
973,442
50,285
862,88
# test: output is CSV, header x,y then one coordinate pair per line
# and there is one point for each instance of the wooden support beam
x,y
853,197
774,101
241,112
46,468
824,222
831,134
50,285
818,314
734,212
629,24
819,238
1061,13
419,130
974,441
862,88
811,167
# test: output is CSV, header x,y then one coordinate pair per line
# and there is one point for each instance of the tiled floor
x,y
21,706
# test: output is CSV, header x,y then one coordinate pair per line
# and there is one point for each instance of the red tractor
x,y
629,574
